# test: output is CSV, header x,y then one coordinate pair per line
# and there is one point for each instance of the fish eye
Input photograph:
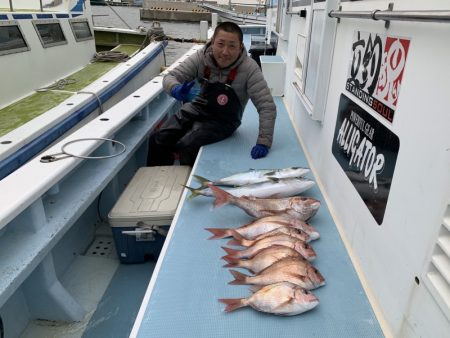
x,y
305,246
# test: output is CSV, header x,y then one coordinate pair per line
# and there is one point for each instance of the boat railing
x,y
389,14
42,200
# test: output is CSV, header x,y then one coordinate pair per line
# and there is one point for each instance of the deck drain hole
x,y
69,104
102,247
104,119
6,142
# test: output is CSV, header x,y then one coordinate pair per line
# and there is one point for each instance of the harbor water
x,y
122,16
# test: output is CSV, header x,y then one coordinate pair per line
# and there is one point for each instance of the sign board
x,y
367,152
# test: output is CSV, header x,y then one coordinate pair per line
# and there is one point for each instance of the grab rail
x,y
389,15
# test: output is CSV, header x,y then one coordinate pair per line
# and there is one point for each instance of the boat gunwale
x,y
16,151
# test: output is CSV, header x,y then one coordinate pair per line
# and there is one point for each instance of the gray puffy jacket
x,y
248,84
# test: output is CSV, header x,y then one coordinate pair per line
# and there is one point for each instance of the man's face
x,y
226,48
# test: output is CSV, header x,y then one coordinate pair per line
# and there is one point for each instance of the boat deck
x,y
26,109
181,300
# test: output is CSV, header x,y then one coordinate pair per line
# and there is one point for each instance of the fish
x,y
282,299
241,241
263,258
254,176
302,208
274,188
289,269
301,247
263,225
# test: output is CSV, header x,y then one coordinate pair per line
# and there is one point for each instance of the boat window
x,y
313,58
11,38
314,53
280,21
300,60
81,29
50,32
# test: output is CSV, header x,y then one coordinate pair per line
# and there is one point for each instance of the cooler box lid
x,y
151,197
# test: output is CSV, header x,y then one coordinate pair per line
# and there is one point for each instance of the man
x,y
228,77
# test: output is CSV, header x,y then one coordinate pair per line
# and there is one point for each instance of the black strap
x,y
231,75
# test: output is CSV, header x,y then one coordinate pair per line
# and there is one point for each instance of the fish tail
x,y
203,181
218,233
233,262
235,242
239,239
233,303
222,197
239,278
194,192
231,252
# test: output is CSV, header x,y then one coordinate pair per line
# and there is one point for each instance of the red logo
x,y
222,99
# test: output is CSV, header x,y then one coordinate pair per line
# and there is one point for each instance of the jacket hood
x,y
210,62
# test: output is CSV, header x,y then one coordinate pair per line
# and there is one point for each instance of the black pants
x,y
184,136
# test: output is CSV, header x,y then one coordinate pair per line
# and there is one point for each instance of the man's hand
x,y
181,91
258,151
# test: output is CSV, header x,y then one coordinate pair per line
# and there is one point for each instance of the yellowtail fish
x,y
286,187
282,299
262,259
254,176
302,208
289,269
301,247
263,225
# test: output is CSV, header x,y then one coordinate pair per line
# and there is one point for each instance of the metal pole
x,y
40,2
11,6
427,16
424,16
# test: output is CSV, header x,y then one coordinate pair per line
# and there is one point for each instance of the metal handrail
x,y
388,15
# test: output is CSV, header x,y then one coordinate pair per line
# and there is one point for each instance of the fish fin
x,y
218,233
255,288
230,252
239,239
273,179
228,258
273,212
194,192
222,197
237,235
203,181
239,278
233,262
270,173
233,303
234,242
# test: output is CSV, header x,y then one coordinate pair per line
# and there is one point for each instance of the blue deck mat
x,y
191,279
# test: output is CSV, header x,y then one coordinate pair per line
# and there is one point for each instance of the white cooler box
x,y
143,213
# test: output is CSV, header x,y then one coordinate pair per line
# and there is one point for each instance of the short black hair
x,y
229,27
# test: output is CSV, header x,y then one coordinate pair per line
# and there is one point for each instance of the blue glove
x,y
181,91
258,151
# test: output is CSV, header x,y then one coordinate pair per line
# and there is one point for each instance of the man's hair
x,y
229,27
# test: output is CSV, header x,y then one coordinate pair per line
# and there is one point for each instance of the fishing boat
x,y
355,85
49,84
